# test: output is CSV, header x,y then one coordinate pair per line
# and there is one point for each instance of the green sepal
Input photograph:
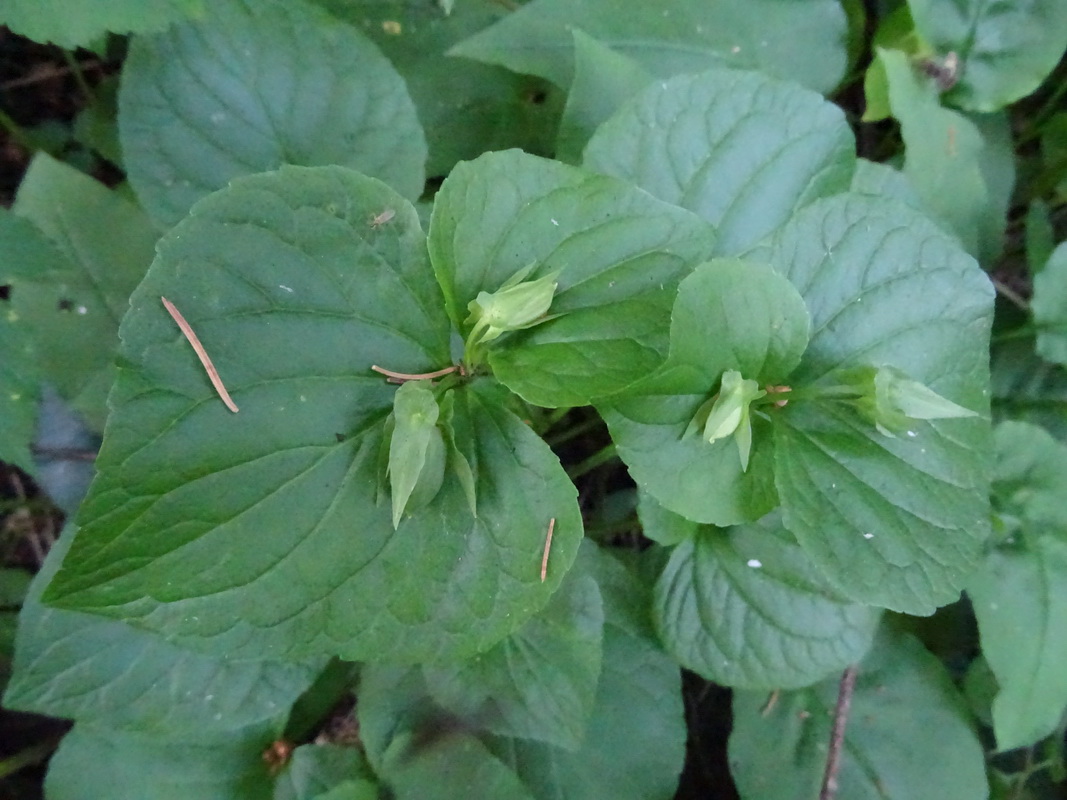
x,y
457,460
891,400
415,414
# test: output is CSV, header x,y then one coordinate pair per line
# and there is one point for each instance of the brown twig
x,y
400,377
201,353
548,547
837,734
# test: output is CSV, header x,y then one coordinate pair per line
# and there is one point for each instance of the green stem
x,y
591,463
28,757
1027,331
79,76
1010,295
577,430
15,131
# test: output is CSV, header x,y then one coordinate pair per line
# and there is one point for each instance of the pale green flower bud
x,y
416,449
729,414
892,400
514,306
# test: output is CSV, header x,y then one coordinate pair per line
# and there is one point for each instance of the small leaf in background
x,y
455,765
603,79
886,287
1027,388
745,607
538,683
64,452
232,95
258,534
730,314
83,23
619,255
1040,236
466,108
93,761
314,770
688,36
101,246
908,734
1049,306
1031,471
739,149
1020,601
962,168
1005,49
85,667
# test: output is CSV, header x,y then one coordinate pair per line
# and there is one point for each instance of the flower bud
x,y
892,400
416,449
516,305
729,414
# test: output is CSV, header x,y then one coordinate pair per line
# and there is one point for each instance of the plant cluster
x,y
468,372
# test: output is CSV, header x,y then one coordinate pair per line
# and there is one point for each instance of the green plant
x,y
415,498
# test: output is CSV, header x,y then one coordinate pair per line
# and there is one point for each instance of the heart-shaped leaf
x,y
729,315
256,85
260,533
619,255
746,608
739,149
885,287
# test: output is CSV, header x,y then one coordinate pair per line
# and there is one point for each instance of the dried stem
x,y
401,377
212,373
548,547
837,734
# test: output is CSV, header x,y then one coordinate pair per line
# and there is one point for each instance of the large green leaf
x,y
1020,600
73,294
634,747
885,287
746,608
80,23
1006,48
603,80
94,762
729,315
687,36
947,159
908,734
466,108
538,683
254,86
263,533
104,672
739,149
620,255
1049,306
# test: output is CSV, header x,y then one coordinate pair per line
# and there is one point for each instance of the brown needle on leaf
x,y
212,373
548,546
